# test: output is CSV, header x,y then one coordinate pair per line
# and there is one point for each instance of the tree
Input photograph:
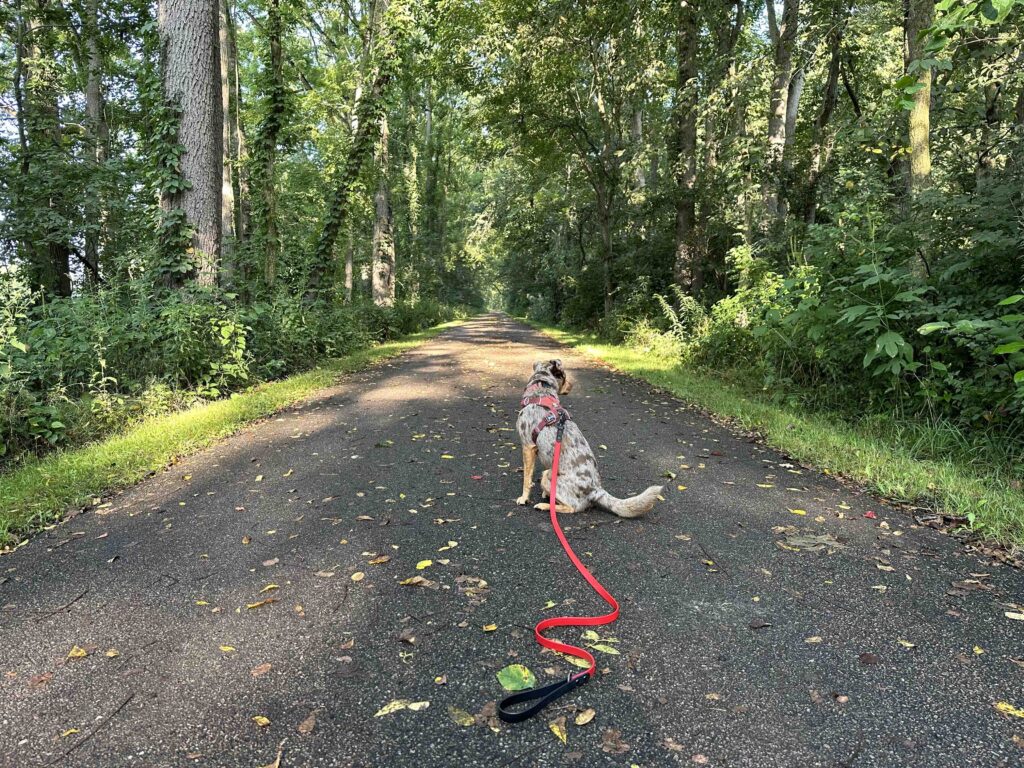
x,y
919,16
190,74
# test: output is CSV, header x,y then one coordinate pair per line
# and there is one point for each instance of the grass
x,y
883,464
40,491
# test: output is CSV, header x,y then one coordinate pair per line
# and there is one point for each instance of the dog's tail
x,y
634,506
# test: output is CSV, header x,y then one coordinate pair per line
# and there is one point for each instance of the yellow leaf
x,y
798,511
391,707
489,627
77,652
416,706
358,576
680,487
69,732
447,456
765,485
907,643
259,478
558,728
201,602
1008,709
813,640
460,716
228,648
978,650
112,653
1014,616
261,603
585,716
261,721
269,588
424,564
549,604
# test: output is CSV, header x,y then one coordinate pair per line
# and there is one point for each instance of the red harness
x,y
549,403
543,696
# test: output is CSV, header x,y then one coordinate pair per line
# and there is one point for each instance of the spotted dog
x,y
579,485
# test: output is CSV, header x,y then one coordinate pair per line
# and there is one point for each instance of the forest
x,y
820,201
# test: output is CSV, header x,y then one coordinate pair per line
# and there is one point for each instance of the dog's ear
x,y
556,367
539,366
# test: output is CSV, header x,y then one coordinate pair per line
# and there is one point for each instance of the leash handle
x,y
549,693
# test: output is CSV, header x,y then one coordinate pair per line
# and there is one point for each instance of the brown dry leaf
x,y
460,716
419,581
247,540
671,744
277,761
699,759
612,743
557,727
585,716
380,560
307,725
348,644
260,669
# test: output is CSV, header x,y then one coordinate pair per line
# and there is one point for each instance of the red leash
x,y
549,693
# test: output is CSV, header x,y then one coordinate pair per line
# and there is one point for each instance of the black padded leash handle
x,y
545,695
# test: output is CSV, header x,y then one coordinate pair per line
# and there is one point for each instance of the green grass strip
x,y
39,491
994,509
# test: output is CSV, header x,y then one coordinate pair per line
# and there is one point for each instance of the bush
x,y
75,369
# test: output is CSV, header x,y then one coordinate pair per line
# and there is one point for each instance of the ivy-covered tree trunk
x,y
383,227
783,38
688,271
190,74
270,133
227,195
919,17
98,133
237,149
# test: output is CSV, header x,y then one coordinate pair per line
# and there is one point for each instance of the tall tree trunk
x,y
383,227
689,272
269,135
369,110
919,16
227,197
350,251
98,133
604,222
238,153
636,135
784,42
821,144
190,69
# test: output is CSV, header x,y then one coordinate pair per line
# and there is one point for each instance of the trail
x,y
737,644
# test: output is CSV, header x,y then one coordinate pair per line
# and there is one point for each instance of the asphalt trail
x,y
734,651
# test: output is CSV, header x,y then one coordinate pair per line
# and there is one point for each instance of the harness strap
x,y
548,693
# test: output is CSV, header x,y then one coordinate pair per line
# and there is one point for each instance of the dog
x,y
579,484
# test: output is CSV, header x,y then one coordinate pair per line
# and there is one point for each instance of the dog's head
x,y
553,370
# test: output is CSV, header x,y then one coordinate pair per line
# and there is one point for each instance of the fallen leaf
x,y
699,759
603,648
419,581
69,732
1014,615
612,743
380,560
416,706
277,760
261,603
358,576
1007,708
324,574
261,721
489,627
441,680
424,564
557,727
585,716
516,677
907,643
260,669
247,540
460,716
77,652
307,725
870,515
272,561
978,650
798,511
759,623
112,653
868,658
228,648
392,707
813,640
269,588
259,478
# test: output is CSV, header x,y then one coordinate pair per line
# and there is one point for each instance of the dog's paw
x,y
543,505
522,500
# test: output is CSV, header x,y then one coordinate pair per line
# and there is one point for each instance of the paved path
x,y
735,650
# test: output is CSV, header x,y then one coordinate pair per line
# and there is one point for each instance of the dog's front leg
x,y
529,462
